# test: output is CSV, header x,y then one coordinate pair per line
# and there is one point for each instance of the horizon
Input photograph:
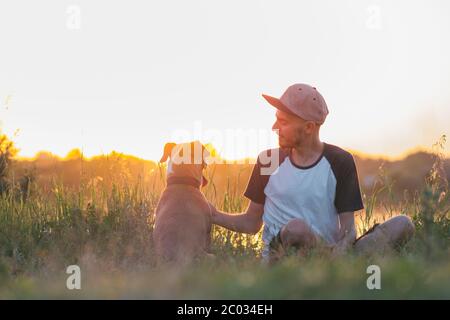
x,y
71,154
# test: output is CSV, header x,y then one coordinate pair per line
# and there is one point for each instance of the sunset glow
x,y
130,78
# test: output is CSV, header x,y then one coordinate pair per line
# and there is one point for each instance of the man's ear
x,y
311,125
168,147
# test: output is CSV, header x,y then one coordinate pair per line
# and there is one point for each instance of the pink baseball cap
x,y
303,101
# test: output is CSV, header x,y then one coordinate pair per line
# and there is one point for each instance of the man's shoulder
x,y
340,160
267,163
335,153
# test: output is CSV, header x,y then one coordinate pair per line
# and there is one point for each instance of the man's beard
x,y
283,143
292,143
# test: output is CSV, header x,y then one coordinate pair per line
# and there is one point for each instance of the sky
x,y
132,75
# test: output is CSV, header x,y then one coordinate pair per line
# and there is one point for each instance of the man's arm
x,y
347,232
248,222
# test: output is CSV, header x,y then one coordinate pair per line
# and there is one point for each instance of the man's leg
x,y
295,234
387,236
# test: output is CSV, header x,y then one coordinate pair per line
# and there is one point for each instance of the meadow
x,y
105,227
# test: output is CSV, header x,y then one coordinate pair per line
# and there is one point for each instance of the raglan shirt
x,y
316,193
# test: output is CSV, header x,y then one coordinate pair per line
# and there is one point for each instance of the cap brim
x,y
277,104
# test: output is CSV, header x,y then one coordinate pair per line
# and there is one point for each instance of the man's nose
x,y
275,126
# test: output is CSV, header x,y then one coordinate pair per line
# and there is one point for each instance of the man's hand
x,y
347,234
343,246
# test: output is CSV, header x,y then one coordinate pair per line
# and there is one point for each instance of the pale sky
x,y
128,75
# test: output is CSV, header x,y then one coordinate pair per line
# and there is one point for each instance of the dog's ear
x,y
168,147
204,181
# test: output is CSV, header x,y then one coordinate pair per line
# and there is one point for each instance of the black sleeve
x,y
348,194
256,185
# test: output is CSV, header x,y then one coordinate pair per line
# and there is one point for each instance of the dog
x,y
182,230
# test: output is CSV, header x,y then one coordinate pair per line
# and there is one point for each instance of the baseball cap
x,y
303,101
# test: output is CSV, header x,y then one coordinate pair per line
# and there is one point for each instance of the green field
x,y
107,232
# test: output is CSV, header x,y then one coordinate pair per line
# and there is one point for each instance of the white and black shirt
x,y
316,193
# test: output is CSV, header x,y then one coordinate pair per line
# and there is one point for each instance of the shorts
x,y
275,243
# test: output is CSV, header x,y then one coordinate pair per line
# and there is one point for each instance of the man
x,y
310,197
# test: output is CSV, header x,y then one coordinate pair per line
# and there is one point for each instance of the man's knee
x,y
387,236
400,228
297,233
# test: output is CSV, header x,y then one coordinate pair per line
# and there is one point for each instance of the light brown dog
x,y
182,229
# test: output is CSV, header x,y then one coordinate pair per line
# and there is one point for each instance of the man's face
x,y
292,131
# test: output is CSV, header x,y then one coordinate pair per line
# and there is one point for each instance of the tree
x,y
7,152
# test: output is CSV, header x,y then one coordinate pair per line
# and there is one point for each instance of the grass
x,y
108,234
